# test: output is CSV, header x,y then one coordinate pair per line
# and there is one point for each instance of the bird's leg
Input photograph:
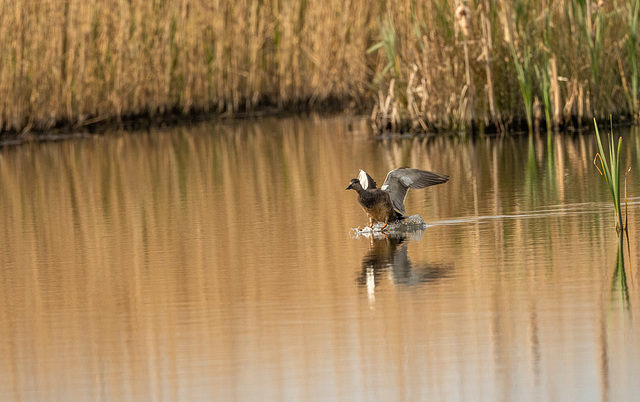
x,y
386,222
370,223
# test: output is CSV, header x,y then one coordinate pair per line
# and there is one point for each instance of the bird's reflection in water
x,y
388,257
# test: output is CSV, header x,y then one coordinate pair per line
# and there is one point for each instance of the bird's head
x,y
354,185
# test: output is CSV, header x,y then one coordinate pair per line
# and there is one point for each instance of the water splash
x,y
413,226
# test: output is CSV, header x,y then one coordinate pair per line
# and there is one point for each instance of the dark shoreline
x,y
173,118
176,118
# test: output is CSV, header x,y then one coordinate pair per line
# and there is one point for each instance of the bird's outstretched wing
x,y
366,181
400,180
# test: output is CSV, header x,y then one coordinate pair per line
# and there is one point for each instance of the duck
x,y
386,204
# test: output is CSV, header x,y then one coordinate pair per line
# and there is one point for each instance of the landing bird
x,y
386,204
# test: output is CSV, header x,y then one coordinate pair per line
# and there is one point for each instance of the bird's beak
x,y
349,188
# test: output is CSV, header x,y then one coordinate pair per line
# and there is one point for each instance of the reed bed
x,y
85,61
419,66
510,64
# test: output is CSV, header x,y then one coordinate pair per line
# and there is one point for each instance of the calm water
x,y
218,263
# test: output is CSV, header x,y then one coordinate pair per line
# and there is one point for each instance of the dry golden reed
x,y
467,62
485,62
84,60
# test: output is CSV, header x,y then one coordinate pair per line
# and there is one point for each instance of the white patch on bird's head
x,y
364,179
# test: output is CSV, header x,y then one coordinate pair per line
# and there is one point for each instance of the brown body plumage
x,y
376,203
386,204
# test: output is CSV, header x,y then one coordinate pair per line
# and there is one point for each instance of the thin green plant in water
x,y
611,172
389,43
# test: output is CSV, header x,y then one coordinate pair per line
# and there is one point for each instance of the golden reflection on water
x,y
216,262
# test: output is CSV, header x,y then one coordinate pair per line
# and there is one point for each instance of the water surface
x,y
217,262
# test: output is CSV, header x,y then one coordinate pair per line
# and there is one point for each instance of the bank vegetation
x,y
415,65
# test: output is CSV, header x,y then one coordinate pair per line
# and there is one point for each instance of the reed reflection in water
x,y
216,262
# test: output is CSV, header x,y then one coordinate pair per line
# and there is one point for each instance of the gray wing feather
x,y
366,181
400,180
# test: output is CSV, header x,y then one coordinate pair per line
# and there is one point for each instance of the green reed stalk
x,y
545,88
524,69
632,45
595,33
611,172
388,44
544,76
